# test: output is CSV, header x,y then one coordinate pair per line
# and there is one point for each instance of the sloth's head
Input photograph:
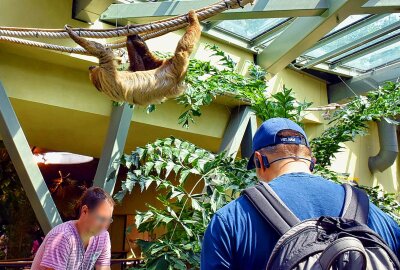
x,y
94,76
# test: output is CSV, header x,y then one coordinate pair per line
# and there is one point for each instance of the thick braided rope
x,y
80,50
203,13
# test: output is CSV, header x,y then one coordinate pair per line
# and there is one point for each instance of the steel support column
x,y
239,133
28,172
107,170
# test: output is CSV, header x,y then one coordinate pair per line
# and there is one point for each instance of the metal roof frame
x,y
356,43
146,12
303,33
305,30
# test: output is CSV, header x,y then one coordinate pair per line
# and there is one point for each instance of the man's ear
x,y
312,163
258,160
261,161
84,210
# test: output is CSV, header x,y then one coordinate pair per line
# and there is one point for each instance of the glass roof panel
x,y
249,29
348,21
354,35
366,45
377,58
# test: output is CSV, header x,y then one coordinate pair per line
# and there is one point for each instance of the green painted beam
x,y
303,33
89,10
247,142
151,11
239,132
380,7
210,24
28,172
324,67
360,85
113,149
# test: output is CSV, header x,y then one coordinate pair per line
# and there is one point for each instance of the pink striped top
x,y
62,249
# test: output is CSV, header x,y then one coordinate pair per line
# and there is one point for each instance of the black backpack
x,y
338,243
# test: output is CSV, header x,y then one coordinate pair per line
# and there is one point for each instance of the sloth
x,y
149,80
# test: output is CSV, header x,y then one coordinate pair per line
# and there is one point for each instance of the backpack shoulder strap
x,y
271,207
356,205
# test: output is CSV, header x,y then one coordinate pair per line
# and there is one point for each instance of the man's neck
x,y
285,167
83,233
294,167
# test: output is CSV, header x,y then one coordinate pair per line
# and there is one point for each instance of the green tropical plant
x,y
352,120
192,184
206,81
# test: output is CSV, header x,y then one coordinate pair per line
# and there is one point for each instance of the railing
x,y
25,263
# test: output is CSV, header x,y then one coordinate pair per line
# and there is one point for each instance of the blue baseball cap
x,y
266,136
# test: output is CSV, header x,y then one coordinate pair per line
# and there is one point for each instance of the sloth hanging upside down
x,y
149,80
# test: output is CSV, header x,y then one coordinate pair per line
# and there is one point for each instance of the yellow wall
x,y
354,160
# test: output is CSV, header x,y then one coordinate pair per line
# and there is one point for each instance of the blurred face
x,y
98,219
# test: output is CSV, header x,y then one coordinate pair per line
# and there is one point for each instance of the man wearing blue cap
x,y
238,237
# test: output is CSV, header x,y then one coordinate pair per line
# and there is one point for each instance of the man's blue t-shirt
x,y
239,238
